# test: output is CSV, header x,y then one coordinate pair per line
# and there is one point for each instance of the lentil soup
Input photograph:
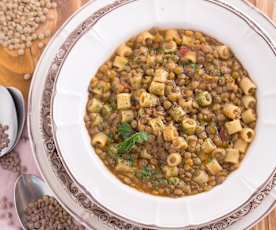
x,y
172,112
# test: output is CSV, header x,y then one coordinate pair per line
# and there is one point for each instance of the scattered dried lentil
x,y
6,208
40,45
12,162
27,76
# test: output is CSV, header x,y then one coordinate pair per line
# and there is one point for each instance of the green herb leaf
x,y
194,66
145,173
125,130
130,142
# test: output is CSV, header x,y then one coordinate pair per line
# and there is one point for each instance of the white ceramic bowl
x,y
93,48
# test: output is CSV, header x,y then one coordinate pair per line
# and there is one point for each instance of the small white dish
x,y
8,117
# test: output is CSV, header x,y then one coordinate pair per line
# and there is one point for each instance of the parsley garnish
x,y
145,173
130,142
125,130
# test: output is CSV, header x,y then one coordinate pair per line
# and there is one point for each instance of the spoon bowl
x,y
28,188
13,115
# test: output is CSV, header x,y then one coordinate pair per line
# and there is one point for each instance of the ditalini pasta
x,y
171,112
247,85
231,111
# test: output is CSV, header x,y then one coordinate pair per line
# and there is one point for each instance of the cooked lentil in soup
x,y
172,112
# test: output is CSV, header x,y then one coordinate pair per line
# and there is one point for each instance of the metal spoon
x,y
13,115
28,188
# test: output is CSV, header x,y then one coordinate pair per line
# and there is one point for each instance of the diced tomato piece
x,y
183,51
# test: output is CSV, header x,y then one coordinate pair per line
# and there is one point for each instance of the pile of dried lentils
x,y
20,20
43,214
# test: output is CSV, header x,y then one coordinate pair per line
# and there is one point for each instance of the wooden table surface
x,y
13,68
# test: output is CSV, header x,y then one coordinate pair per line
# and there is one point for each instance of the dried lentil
x,y
12,162
4,137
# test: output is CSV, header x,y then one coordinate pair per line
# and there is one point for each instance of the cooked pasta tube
x,y
170,46
124,50
160,75
233,126
180,143
127,115
123,101
170,133
147,100
208,146
157,88
170,171
224,52
136,80
174,159
247,134
177,113
248,101
213,167
232,156
247,86
241,145
143,37
100,139
202,177
231,111
172,35
157,125
95,106
120,62
189,125
248,116
186,104
96,119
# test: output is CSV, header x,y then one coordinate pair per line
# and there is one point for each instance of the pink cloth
x,y
7,179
